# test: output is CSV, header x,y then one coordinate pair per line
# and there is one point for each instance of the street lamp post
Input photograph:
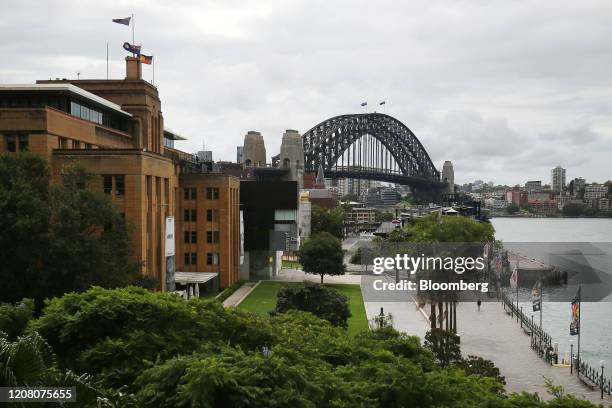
x,y
571,357
601,381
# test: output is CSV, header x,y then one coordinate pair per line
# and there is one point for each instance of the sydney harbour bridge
x,y
372,146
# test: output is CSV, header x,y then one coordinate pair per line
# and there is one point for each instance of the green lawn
x,y
263,299
291,264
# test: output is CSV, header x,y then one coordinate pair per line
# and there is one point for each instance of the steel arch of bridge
x,y
331,140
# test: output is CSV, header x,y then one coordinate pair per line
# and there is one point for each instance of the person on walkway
x,y
479,303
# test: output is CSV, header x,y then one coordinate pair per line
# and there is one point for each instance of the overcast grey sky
x,y
505,89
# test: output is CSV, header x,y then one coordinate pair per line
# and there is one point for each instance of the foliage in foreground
x,y
176,353
322,301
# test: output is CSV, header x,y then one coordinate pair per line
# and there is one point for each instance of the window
x,y
212,237
193,215
187,258
194,258
120,185
190,237
63,143
11,143
23,143
212,258
212,193
88,146
194,192
186,215
76,144
185,194
108,184
209,215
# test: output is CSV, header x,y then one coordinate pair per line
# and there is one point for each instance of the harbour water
x,y
596,317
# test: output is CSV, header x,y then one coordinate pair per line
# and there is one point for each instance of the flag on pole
x,y
485,251
536,296
364,104
575,323
514,277
382,103
146,59
124,21
134,49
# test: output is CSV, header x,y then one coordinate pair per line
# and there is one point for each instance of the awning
x,y
194,277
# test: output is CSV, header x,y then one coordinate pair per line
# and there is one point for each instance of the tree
x,y
444,345
324,220
351,197
474,365
322,255
512,209
57,239
382,216
322,301
14,319
573,209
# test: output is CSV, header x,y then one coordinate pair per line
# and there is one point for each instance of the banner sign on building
x,y
169,251
536,296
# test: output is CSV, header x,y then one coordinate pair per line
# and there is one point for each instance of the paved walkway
x,y
493,335
239,295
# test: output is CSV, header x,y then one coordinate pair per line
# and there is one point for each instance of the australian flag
x,y
134,49
124,21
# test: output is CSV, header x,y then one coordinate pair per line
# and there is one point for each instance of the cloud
x,y
503,89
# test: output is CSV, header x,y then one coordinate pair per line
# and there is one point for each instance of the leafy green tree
x,y
444,345
322,255
383,216
512,209
573,209
111,332
435,228
322,301
324,220
474,365
14,319
57,239
24,224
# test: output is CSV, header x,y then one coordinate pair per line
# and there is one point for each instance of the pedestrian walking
x,y
479,303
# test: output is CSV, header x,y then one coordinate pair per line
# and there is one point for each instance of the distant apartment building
x,y
389,196
517,196
361,215
543,206
557,182
533,186
115,129
595,191
576,187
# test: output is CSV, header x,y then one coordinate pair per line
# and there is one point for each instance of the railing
x,y
596,377
541,343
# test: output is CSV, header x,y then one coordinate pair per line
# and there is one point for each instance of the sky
x,y
506,90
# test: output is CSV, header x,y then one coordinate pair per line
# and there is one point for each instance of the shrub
x,y
322,301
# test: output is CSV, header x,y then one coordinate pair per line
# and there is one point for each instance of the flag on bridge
x,y
536,296
134,49
575,323
124,21
364,104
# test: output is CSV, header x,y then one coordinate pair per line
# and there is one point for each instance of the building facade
x,y
115,129
557,179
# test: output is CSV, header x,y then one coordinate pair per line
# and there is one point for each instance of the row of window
x,y
113,183
64,143
191,215
191,237
191,193
191,258
17,143
85,112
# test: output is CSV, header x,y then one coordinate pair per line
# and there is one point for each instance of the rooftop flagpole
x,y
133,40
107,60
